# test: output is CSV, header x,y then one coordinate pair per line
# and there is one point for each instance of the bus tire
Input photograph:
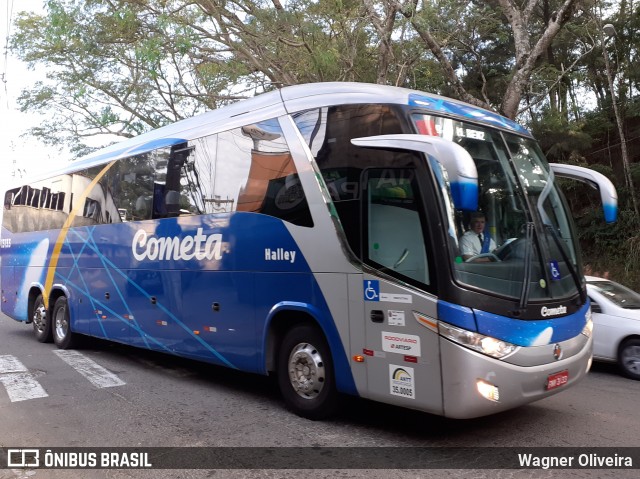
x,y
62,334
41,321
305,373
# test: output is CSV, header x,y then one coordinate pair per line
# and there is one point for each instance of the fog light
x,y
488,390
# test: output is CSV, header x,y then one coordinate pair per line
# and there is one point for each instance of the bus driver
x,y
476,241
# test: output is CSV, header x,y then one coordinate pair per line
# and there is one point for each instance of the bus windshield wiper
x,y
528,248
568,262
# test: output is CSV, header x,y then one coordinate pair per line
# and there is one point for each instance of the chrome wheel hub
x,y
61,324
306,371
40,318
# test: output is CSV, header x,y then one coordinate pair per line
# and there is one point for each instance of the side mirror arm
x,y
596,180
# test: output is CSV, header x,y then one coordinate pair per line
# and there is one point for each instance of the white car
x,y
616,324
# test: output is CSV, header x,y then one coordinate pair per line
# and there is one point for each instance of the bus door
x,y
399,208
401,351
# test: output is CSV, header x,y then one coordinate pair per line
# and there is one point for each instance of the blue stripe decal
x,y
532,333
132,323
516,331
254,265
443,105
457,315
86,243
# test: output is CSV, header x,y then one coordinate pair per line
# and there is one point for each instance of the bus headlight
x,y
493,347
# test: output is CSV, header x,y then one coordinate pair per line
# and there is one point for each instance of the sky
x,y
20,155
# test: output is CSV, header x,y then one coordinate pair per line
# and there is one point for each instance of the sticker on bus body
x,y
395,318
407,344
554,269
372,292
401,382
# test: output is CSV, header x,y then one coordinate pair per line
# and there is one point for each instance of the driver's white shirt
x,y
470,244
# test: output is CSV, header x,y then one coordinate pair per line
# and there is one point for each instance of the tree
x,y
112,70
124,66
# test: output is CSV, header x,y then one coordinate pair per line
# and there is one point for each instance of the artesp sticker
x,y
408,344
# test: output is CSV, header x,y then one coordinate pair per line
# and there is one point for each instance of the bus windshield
x,y
520,243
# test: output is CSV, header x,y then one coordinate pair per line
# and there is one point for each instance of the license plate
x,y
557,379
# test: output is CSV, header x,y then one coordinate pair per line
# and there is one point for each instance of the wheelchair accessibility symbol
x,y
371,290
554,269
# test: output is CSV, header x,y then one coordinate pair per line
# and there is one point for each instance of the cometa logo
x,y
553,311
198,246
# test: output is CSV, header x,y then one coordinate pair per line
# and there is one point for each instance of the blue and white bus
x,y
314,233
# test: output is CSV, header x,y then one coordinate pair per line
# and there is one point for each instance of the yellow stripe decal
x,y
55,255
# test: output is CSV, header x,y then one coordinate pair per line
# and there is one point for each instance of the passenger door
x,y
400,218
402,351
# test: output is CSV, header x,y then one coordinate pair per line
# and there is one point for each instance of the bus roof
x,y
289,99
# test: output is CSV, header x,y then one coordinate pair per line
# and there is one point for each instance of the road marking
x,y
96,374
18,381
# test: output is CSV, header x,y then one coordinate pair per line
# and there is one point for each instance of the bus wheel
x,y
62,334
305,373
41,321
629,358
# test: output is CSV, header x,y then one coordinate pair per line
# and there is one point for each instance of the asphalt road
x,y
106,395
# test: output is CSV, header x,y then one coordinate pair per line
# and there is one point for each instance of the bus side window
x,y
328,132
172,202
248,169
175,190
130,182
394,231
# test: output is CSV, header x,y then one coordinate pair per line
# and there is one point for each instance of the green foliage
x,y
559,138
156,61
611,250
635,173
599,123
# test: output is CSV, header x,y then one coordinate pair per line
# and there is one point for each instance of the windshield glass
x,y
618,294
520,242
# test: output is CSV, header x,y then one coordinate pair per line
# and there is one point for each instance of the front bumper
x,y
520,379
